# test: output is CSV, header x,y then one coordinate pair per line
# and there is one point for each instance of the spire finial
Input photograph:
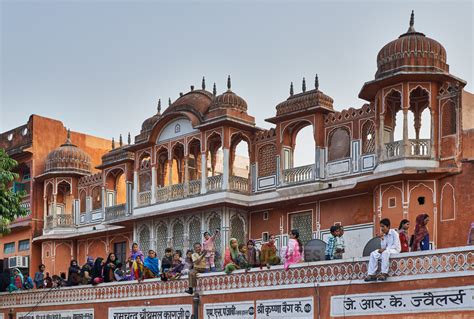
x,y
412,22
68,137
129,139
113,143
214,89
181,94
192,87
229,85
203,83
291,89
316,82
303,86
120,140
159,106
169,101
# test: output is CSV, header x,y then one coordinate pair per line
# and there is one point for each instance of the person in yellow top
x,y
199,266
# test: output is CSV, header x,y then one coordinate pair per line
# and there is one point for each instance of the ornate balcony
x,y
299,174
115,212
239,184
144,198
420,148
214,183
60,221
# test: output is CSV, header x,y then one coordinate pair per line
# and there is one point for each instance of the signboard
x,y
152,312
298,308
399,302
231,310
59,314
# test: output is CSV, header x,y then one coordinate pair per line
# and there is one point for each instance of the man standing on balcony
x,y
390,245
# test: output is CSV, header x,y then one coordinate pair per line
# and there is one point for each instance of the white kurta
x,y
391,244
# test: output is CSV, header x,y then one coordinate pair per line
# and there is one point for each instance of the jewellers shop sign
x,y
399,302
298,308
152,312
62,314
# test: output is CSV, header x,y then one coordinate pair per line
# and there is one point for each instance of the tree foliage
x,y
10,201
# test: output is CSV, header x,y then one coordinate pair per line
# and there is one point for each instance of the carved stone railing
x,y
49,222
176,191
214,183
394,149
299,174
115,212
416,148
239,184
420,148
430,265
194,187
144,198
162,194
64,220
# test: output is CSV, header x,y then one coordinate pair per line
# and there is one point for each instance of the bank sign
x,y
399,302
62,314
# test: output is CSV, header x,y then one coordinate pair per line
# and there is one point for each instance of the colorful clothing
x,y
293,253
330,247
39,279
268,255
340,247
253,255
152,264
421,239
137,271
230,260
28,283
209,246
403,241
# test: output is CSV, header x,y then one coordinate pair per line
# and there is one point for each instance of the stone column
x,y
186,174
153,184
104,201
45,208
203,173
170,172
432,133
135,189
226,168
54,211
381,152
406,142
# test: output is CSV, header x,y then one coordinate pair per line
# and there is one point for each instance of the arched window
x,y
237,229
96,198
178,235
448,119
194,232
339,145
368,137
161,239
144,238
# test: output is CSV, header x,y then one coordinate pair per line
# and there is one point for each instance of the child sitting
x,y
166,263
242,261
331,245
28,282
177,266
390,245
188,262
137,269
120,274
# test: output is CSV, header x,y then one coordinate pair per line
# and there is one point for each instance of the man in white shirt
x,y
390,245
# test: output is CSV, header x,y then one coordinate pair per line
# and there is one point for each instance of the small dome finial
x,y
159,106
68,136
291,89
214,89
316,82
412,22
229,85
303,86
203,83
192,88
169,101
129,139
181,94
113,143
120,140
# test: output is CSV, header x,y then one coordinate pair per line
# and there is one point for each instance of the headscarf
x,y
420,231
97,269
14,281
109,270
252,253
133,255
90,261
231,254
137,270
153,264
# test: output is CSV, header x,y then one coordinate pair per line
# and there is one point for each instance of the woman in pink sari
x,y
294,250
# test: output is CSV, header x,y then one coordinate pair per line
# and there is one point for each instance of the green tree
x,y
10,201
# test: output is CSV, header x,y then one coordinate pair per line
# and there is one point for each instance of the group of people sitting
x,y
202,259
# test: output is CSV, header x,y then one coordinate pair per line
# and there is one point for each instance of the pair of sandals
x,y
379,277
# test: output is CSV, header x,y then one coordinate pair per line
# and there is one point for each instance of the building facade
x,y
182,176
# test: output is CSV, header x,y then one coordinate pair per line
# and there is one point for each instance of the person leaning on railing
x,y
199,267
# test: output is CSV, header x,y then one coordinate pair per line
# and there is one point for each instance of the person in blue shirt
x,y
332,241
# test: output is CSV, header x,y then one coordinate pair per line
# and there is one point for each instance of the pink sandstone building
x,y
181,176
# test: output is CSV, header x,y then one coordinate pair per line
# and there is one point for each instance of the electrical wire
x,y
39,302
345,292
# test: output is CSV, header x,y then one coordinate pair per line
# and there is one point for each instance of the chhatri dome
x,y
68,158
412,52
228,100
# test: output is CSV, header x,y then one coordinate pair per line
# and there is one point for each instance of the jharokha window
x,y
368,137
448,118
339,144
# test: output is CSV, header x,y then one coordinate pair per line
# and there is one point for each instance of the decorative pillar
x,y
186,174
203,173
45,209
135,189
129,198
153,184
432,135
54,210
170,171
406,142
380,138
226,170
104,199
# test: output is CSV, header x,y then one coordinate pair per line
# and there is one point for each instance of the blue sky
x,y
100,67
